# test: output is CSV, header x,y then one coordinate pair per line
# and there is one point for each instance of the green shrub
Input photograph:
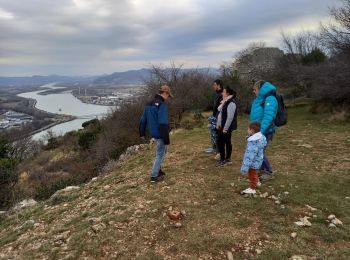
x,y
86,139
45,191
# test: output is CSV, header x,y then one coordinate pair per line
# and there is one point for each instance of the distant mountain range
x,y
42,80
137,77
130,77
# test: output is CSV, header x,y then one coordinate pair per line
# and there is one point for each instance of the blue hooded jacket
x,y
155,116
254,154
264,108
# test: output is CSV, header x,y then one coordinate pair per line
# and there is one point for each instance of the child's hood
x,y
259,138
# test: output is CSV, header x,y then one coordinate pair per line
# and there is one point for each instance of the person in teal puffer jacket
x,y
264,110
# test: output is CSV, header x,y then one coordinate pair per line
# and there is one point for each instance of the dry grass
x,y
131,210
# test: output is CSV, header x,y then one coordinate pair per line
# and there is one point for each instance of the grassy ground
x,y
123,216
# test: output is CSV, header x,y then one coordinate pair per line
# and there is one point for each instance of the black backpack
x,y
282,111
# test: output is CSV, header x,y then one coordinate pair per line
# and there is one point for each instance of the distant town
x,y
107,96
12,119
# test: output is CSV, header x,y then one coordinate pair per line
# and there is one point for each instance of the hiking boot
x,y
220,163
161,173
159,178
265,177
228,161
248,191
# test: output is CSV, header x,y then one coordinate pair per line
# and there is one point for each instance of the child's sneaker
x,y
249,191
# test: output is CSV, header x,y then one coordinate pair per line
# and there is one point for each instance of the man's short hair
x,y
255,126
219,82
230,91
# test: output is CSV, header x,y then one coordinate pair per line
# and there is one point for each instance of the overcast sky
x,y
90,37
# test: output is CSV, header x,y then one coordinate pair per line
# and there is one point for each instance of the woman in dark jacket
x,y
226,123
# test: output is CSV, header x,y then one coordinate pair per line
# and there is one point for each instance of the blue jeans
x,y
160,154
266,166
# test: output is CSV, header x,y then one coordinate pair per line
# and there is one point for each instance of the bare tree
x,y
336,36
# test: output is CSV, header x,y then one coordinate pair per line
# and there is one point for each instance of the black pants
x,y
224,141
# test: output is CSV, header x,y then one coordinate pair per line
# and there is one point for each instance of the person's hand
x,y
209,125
225,131
152,141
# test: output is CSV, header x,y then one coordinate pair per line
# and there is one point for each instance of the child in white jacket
x,y
253,157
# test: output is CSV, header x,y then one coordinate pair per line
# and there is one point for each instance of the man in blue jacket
x,y
155,117
264,111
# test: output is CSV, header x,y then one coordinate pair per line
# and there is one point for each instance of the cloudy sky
x,y
89,37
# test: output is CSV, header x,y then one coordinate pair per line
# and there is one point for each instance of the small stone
x,y
229,255
175,215
98,227
107,187
258,251
70,188
337,222
25,204
277,202
309,146
273,197
2,212
178,225
94,179
232,184
311,208
330,217
37,225
304,222
283,206
286,193
264,195
348,198
314,216
294,235
298,257
62,237
331,225
65,205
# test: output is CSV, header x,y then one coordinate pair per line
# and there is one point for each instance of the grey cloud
x,y
59,38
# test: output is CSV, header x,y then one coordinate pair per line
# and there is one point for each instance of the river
x,y
64,103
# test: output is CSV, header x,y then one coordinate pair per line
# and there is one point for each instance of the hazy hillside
x,y
136,77
123,216
41,80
